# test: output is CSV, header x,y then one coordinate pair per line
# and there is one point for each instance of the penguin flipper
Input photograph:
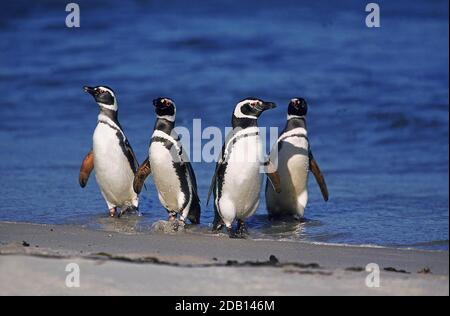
x,y
195,210
314,167
213,184
132,156
142,173
194,181
273,176
86,168
220,162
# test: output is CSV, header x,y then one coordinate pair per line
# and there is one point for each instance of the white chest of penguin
x,y
243,171
165,177
112,168
294,154
294,166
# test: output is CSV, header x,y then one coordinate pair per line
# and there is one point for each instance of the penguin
x,y
295,160
111,157
240,169
172,172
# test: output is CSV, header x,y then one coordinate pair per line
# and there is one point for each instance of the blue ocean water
x,y
378,100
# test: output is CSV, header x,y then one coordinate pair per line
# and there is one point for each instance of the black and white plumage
x,y
240,169
170,168
295,160
112,157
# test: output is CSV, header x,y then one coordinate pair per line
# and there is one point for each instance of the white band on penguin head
x,y
238,111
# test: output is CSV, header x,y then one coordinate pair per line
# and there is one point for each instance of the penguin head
x,y
298,108
165,108
252,108
104,96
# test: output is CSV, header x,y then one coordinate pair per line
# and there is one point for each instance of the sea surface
x,y
378,105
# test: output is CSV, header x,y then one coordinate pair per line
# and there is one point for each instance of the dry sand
x,y
33,259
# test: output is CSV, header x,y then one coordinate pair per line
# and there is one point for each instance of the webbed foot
x,y
112,212
232,233
242,230
128,210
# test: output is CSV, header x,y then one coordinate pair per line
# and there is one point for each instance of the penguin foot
x,y
242,230
181,224
218,224
174,223
129,210
231,232
178,226
112,212
217,227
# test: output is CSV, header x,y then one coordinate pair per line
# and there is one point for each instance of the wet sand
x,y
33,259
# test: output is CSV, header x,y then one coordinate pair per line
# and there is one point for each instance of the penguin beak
x,y
267,106
90,90
270,105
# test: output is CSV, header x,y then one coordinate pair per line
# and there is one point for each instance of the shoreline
x,y
32,258
151,231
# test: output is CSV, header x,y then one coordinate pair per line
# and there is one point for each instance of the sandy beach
x,y
33,259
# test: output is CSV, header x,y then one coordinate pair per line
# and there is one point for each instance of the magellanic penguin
x,y
112,157
169,165
240,169
295,160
